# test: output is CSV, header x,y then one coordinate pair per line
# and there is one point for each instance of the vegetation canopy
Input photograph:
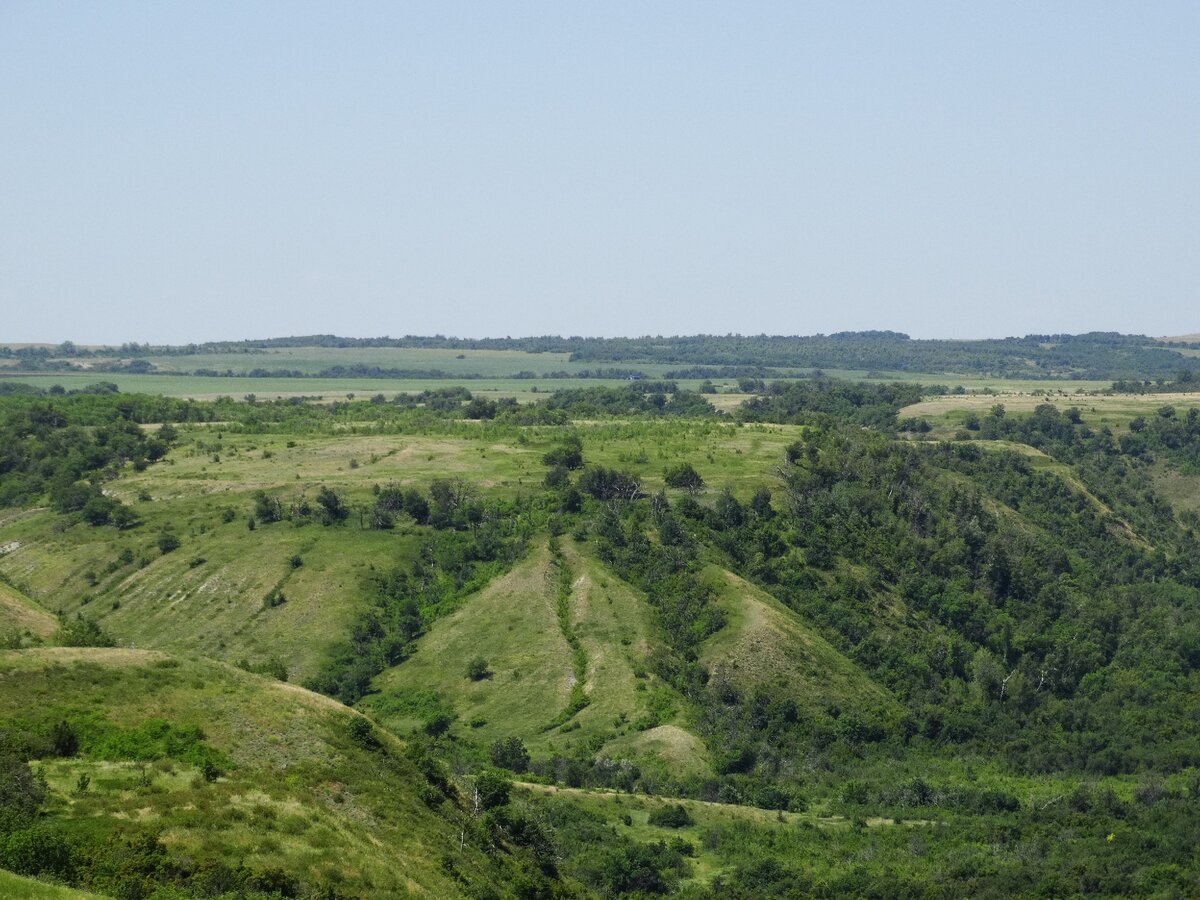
x,y
783,634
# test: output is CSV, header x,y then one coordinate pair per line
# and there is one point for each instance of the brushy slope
x,y
225,766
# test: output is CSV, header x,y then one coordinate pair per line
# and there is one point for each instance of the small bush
x,y
64,739
672,816
477,669
438,724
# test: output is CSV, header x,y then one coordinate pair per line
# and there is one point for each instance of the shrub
x,y
64,739
81,632
493,788
362,733
477,669
510,753
438,724
685,477
671,816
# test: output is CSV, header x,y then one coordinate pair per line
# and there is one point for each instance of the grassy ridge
x,y
20,616
297,793
764,645
208,595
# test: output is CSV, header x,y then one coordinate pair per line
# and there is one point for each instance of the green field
x,y
15,887
1098,410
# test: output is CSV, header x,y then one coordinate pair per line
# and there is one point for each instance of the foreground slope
x,y
16,887
224,766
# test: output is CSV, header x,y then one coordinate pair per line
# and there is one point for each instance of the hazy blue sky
x,y
190,171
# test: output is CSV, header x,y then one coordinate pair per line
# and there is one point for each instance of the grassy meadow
x,y
948,413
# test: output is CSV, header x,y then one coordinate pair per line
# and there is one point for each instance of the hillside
x,y
531,678
21,618
225,766
766,647
16,887
612,641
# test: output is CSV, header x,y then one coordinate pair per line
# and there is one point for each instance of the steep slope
x,y
515,626
638,716
209,595
227,766
21,616
766,645
512,625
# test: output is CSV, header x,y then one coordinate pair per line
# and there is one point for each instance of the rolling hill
x,y
223,765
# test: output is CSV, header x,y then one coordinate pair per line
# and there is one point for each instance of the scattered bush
x,y
673,815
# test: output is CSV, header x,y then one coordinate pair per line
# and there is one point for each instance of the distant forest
x,y
1097,355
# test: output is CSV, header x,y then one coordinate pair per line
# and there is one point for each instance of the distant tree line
x,y
1096,355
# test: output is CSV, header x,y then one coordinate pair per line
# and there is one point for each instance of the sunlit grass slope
x,y
514,626
15,887
22,617
766,645
297,791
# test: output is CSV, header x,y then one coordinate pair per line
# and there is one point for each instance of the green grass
x,y
948,413
21,616
765,644
200,387
15,887
297,792
741,457
512,624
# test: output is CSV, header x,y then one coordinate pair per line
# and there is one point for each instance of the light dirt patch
x,y
727,402
1021,402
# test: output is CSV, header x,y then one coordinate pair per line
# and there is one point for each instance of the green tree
x,y
685,477
510,753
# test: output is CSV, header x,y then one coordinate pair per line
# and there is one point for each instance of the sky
x,y
174,172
